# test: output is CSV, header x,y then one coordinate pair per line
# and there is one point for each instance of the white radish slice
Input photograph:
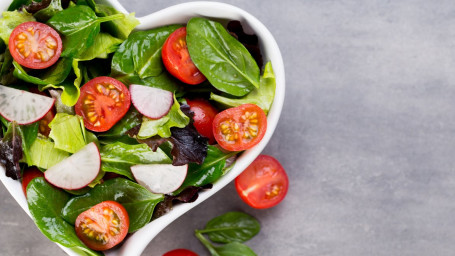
x,y
160,178
152,102
76,171
23,107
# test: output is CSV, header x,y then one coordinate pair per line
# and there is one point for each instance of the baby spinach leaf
x,y
119,157
67,132
138,201
43,153
262,96
28,134
234,249
10,21
11,152
45,13
225,62
232,227
120,28
51,76
7,70
162,126
163,81
16,4
80,25
140,54
45,203
103,45
132,119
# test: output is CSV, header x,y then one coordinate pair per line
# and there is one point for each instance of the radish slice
x,y
152,102
23,107
76,171
160,178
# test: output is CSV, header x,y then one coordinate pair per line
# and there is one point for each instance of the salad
x,y
107,127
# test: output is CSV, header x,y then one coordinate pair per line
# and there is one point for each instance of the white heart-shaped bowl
x,y
137,242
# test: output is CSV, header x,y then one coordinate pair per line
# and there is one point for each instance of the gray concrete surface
x,y
367,135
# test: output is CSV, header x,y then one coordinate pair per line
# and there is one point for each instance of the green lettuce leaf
x,y
43,154
262,96
67,132
120,28
162,126
49,77
11,20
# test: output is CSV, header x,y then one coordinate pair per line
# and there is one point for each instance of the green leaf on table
x,y
67,132
262,96
43,153
138,201
232,227
45,14
80,26
45,203
225,62
162,126
140,54
103,45
234,249
10,21
119,157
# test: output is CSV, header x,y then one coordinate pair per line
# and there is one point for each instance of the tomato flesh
x,y
29,174
177,60
43,127
35,45
240,128
180,252
263,184
102,103
103,226
204,114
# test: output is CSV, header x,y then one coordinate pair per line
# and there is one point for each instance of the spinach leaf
x,y
7,69
225,62
140,55
68,132
51,76
11,152
208,172
234,249
45,203
232,227
28,134
103,45
80,25
262,96
131,119
138,201
163,81
162,126
46,13
43,153
10,21
119,157
16,4
120,28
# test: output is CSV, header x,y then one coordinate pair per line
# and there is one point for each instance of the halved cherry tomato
x,y
177,60
204,113
44,128
103,226
29,174
263,184
103,102
35,45
180,252
240,128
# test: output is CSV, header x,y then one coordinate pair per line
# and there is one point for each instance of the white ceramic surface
x,y
181,13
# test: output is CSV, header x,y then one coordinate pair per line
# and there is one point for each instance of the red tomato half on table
x,y
180,252
263,184
103,102
240,128
103,226
35,45
177,61
29,174
204,113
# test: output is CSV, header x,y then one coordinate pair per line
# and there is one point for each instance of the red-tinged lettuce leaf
x,y
11,152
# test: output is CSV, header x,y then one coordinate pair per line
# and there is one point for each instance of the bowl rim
x,y
271,52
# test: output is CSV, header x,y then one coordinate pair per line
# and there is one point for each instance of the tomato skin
x,y
102,103
240,128
177,60
29,174
32,53
263,184
180,252
204,114
98,221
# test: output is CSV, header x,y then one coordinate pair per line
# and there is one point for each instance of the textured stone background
x,y
366,135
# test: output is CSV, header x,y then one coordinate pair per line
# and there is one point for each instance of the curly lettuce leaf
x,y
43,153
67,132
11,20
11,152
